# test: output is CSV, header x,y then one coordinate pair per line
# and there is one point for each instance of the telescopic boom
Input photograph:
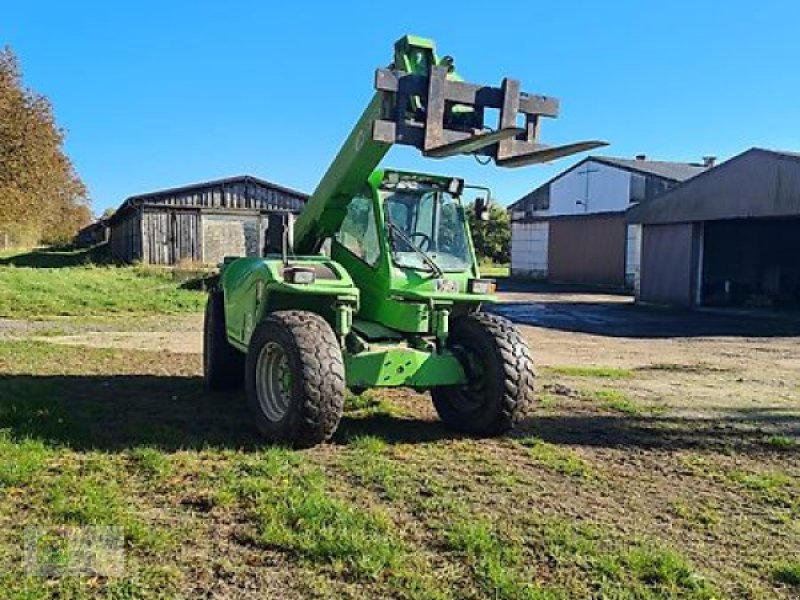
x,y
421,101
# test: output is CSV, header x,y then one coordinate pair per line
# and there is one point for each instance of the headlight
x,y
481,286
303,275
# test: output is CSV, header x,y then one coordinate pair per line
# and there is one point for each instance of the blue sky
x,y
156,94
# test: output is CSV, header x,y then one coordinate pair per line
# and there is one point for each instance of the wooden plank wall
x,y
170,236
126,238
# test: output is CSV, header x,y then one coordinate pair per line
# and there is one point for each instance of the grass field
x,y
67,283
492,270
610,490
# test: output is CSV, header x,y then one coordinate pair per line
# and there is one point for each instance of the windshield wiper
x,y
407,239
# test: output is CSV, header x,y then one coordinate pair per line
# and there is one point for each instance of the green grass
x,y
616,401
558,459
767,482
697,512
365,405
490,270
296,511
774,487
780,442
666,573
89,290
787,573
591,371
634,569
301,516
496,559
21,460
367,459
396,506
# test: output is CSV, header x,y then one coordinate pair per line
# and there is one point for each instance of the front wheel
x,y
294,378
223,365
499,367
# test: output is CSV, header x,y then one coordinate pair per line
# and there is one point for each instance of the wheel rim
x,y
273,381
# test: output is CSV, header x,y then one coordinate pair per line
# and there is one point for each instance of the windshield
x,y
431,224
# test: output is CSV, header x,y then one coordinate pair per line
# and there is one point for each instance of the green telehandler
x,y
376,283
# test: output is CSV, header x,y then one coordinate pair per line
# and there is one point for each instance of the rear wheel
x,y
223,365
294,378
500,372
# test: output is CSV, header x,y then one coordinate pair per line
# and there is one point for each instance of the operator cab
x,y
425,223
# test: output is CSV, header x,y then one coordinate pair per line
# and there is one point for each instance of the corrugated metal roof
x,y
757,183
140,199
675,171
218,182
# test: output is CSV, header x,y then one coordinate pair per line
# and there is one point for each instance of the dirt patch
x,y
188,342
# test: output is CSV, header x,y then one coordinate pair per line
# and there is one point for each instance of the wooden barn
x,y
199,223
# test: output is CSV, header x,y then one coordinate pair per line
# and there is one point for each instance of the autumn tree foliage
x,y
42,199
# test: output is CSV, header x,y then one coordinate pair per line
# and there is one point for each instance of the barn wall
x,y
587,250
669,264
126,238
608,190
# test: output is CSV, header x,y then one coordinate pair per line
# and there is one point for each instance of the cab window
x,y
358,232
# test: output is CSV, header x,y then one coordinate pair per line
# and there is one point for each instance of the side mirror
x,y
482,209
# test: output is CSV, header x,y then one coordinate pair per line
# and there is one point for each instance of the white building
x,y
572,229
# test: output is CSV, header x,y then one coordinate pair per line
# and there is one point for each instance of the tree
x,y
492,238
42,199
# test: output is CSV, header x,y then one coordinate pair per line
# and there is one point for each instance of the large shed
x,y
730,236
199,223
572,228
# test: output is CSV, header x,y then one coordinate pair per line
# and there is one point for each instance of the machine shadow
x,y
393,430
172,413
58,257
120,412
745,431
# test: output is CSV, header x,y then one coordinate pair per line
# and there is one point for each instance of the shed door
x,y
587,250
668,268
184,231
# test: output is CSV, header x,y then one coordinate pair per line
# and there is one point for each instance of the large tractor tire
x,y
294,378
499,367
223,365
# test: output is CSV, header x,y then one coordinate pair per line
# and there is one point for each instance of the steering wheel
x,y
426,240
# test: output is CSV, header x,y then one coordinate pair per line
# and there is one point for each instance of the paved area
x,y
618,316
